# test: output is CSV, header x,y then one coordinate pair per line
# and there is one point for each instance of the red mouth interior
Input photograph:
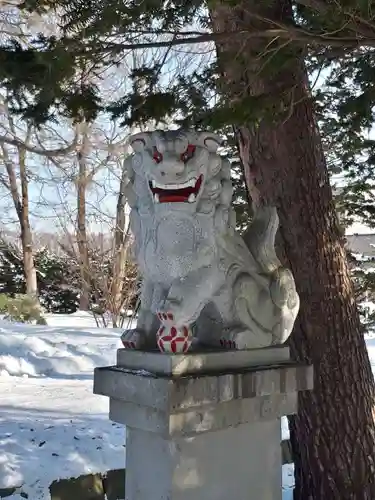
x,y
177,195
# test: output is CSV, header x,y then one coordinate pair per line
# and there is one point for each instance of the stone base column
x,y
203,426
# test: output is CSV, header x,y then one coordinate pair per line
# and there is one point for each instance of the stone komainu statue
x,y
197,272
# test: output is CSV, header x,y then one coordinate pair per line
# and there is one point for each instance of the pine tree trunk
x,y
333,434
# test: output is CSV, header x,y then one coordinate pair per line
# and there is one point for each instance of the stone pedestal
x,y
203,426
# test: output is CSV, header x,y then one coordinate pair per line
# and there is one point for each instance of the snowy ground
x,y
51,425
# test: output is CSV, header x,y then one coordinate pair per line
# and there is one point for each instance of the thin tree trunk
x,y
26,234
119,261
21,204
333,433
81,231
84,301
28,261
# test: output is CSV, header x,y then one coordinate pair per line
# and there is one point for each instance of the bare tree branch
x,y
287,33
39,151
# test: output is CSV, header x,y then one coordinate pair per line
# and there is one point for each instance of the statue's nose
x,y
175,168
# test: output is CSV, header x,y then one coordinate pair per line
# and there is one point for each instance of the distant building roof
x,y
363,244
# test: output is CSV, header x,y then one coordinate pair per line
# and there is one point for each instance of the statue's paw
x,y
133,339
172,314
245,339
227,343
248,340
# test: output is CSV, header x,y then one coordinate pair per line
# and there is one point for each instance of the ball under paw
x,y
172,339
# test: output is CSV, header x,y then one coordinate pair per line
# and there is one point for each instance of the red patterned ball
x,y
174,339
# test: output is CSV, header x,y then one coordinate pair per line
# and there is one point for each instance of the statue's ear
x,y
139,141
210,140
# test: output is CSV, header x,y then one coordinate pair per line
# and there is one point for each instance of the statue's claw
x,y
134,339
165,316
245,339
228,344
128,344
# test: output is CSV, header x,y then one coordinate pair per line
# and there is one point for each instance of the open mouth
x,y
176,193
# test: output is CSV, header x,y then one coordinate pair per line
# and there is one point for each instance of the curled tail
x,y
274,309
269,314
260,239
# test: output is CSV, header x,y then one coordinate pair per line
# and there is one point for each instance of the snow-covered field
x,y
51,425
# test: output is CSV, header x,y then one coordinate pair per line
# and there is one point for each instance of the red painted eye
x,y
189,153
157,156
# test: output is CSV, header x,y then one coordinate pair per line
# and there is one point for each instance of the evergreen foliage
x,y
364,287
101,32
345,107
241,199
58,284
23,309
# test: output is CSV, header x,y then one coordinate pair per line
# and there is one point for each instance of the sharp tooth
x,y
191,198
156,198
162,186
166,187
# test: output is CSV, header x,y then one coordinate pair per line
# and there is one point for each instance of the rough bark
x,y
333,434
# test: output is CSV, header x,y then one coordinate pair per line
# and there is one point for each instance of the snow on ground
x,y
56,351
52,429
51,424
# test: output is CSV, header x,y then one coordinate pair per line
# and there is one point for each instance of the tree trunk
x,y
84,301
119,260
26,234
81,232
28,260
333,434
21,204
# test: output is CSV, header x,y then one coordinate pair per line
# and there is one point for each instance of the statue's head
x,y
177,167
